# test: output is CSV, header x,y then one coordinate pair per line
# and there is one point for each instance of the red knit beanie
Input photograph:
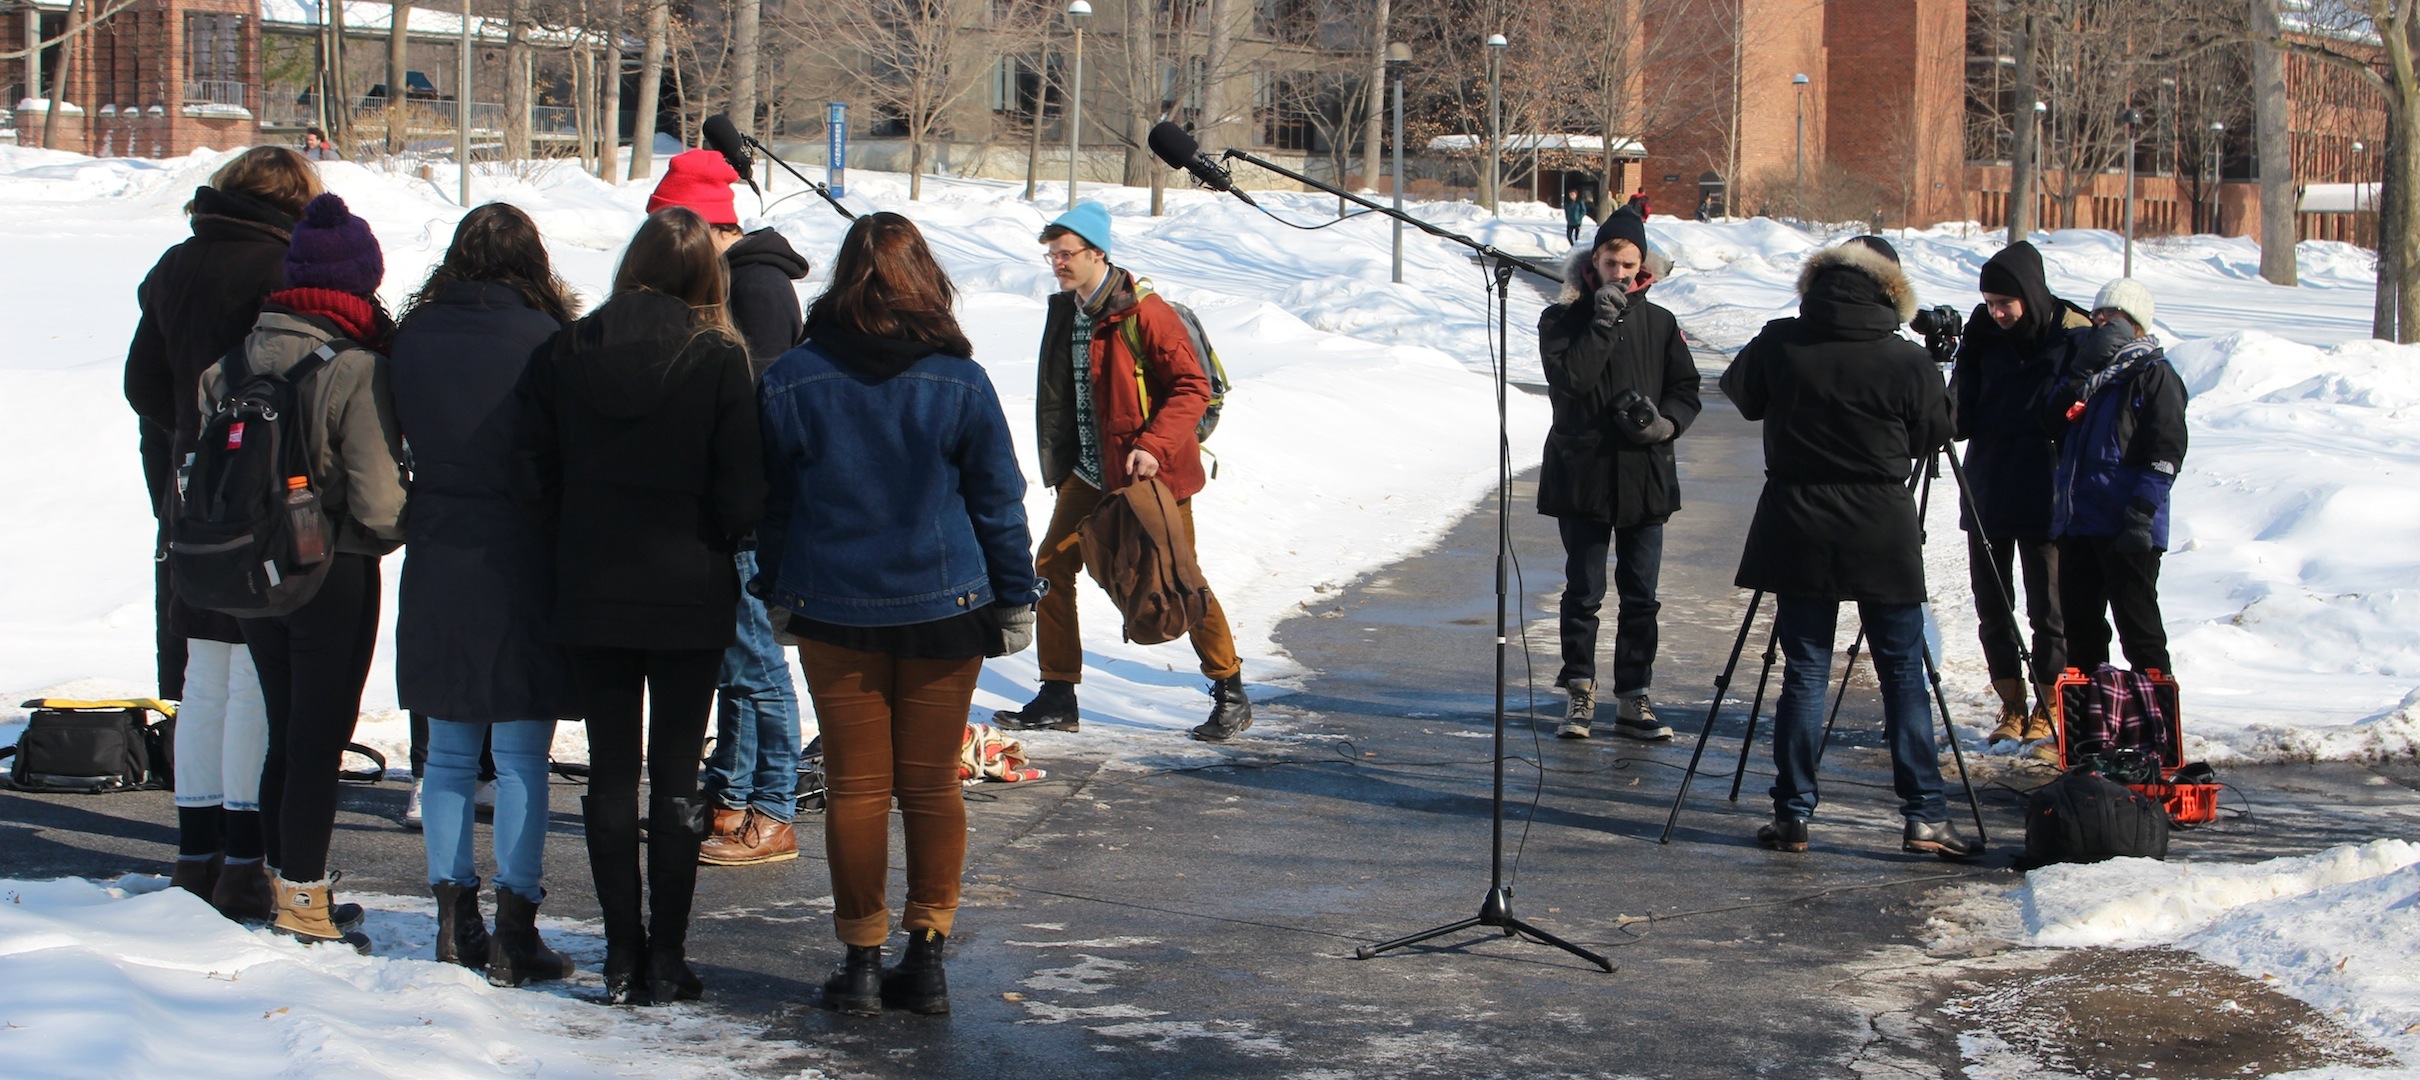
x,y
699,180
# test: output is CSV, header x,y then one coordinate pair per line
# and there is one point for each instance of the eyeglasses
x,y
729,230
1054,258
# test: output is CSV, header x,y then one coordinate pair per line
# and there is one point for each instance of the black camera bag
x,y
91,751
2084,817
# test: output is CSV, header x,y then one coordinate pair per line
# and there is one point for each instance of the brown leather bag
x,y
1138,550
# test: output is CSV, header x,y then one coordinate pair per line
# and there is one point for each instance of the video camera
x,y
1941,326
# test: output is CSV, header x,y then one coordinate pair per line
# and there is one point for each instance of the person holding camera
x,y
1848,405
2119,413
1623,387
2007,363
895,539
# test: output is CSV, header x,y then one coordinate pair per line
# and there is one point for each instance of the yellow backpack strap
x,y
1132,330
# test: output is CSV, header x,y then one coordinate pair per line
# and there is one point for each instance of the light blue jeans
x,y
755,759
445,802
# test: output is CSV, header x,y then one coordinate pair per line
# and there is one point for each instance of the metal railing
x,y
422,117
216,92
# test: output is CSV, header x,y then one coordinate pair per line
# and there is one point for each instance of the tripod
x,y
1495,908
1932,670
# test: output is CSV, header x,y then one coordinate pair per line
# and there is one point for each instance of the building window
x,y
214,59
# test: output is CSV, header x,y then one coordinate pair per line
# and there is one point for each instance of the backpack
x,y
1132,331
2084,817
249,536
1138,550
92,747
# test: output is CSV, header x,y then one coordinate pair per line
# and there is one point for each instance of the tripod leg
x,y
1974,805
1840,695
1722,685
1747,742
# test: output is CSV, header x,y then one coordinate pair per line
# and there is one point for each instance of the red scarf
x,y
355,315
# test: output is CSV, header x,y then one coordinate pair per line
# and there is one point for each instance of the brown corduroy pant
x,y
1056,636
891,727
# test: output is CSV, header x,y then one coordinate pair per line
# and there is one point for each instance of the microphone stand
x,y
1495,909
819,189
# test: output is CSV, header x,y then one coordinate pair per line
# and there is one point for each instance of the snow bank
x,y
2336,930
137,979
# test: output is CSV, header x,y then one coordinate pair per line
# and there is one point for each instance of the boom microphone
x,y
727,141
1172,145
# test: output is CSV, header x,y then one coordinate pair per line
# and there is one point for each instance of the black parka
x,y
764,305
1997,387
640,450
198,304
471,643
1590,470
1847,405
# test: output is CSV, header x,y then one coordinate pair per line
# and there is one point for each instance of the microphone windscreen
x,y
725,139
1173,145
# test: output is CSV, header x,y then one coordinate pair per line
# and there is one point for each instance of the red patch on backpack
x,y
235,435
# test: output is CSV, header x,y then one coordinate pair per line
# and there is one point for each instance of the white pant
x,y
222,728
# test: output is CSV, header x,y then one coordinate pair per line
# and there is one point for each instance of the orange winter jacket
x,y
1154,406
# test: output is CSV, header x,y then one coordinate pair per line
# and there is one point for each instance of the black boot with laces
x,y
918,983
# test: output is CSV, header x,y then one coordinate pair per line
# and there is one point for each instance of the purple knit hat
x,y
332,249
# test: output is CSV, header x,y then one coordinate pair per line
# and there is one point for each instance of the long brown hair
x,y
498,243
273,174
886,283
674,254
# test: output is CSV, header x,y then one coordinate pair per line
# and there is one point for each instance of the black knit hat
x,y
1878,246
1622,224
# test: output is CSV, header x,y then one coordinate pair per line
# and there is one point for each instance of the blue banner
x,y
836,127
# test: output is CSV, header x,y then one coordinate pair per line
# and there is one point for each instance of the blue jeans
x,y
1895,638
445,802
755,760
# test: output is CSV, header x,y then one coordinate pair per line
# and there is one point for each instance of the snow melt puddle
x,y
1124,1021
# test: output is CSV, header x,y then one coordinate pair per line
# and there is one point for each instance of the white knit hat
x,y
2129,296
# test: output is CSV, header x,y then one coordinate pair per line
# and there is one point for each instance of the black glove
x,y
2134,538
1638,420
1612,300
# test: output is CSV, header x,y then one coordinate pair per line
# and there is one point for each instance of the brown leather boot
x,y
2012,712
244,893
724,822
759,839
302,912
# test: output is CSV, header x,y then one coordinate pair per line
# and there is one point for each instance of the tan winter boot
x,y
302,912
2012,712
2039,725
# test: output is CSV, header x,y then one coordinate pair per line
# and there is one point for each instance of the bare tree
x,y
1376,108
2375,39
58,80
745,28
398,39
651,83
517,77
609,151
2273,134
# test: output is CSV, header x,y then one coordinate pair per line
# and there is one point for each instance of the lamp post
x,y
2360,172
1398,57
462,104
1077,12
2133,119
1798,85
1496,44
2218,140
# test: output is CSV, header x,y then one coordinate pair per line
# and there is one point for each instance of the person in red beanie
x,y
752,778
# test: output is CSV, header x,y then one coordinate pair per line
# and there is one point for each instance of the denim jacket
x,y
895,496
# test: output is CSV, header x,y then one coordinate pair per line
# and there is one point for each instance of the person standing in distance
x,y
1848,407
1575,215
752,777
1097,437
1623,387
2008,361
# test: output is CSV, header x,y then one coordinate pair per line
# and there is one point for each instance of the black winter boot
x,y
515,952
675,827
1230,711
613,858
918,983
1052,709
461,932
856,989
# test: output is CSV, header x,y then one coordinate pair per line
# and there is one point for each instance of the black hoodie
x,y
639,442
764,305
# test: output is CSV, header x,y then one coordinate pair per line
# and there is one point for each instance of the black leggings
x,y
312,666
679,683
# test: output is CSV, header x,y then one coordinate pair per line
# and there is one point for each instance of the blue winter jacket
x,y
895,493
2126,441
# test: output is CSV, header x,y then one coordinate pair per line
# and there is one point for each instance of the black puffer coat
x,y
1590,471
198,304
641,452
1847,405
764,305
1997,388
478,580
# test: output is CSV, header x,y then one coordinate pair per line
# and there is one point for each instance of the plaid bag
x,y
2116,709
986,754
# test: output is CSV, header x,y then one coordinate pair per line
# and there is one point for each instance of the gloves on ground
x,y
1016,623
2134,537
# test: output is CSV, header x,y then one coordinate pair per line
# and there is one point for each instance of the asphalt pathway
x,y
1194,912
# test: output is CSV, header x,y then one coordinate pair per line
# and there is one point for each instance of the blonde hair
x,y
273,174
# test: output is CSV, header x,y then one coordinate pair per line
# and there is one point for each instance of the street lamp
x,y
1495,115
2360,171
1398,57
1077,12
2133,119
1798,85
2218,140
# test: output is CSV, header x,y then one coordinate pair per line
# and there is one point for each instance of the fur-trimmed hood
x,y
1859,259
1655,264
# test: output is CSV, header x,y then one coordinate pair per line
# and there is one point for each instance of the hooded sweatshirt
x,y
764,305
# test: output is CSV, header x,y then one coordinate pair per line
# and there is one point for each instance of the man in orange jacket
x,y
1098,433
